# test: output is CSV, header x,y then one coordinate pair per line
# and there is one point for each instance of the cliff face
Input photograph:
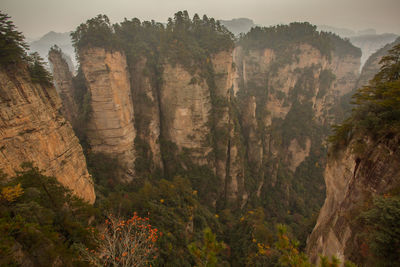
x,y
356,173
185,107
33,130
197,117
287,105
248,109
147,120
64,84
228,143
111,127
351,182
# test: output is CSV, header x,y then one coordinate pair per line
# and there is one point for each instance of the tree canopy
x,y
281,36
12,42
377,105
183,40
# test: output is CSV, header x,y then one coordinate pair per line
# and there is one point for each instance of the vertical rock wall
x,y
64,84
351,182
111,127
33,130
185,108
147,120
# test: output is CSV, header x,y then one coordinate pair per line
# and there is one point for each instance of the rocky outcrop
x,y
355,174
287,100
338,175
64,84
229,161
351,181
33,130
270,108
111,127
147,120
271,91
186,106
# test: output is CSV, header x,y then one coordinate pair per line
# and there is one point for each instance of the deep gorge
x,y
196,128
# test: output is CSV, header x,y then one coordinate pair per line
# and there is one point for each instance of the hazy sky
x,y
37,17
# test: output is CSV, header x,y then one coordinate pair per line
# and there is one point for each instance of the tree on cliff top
x,y
12,42
97,31
282,36
13,51
183,40
377,111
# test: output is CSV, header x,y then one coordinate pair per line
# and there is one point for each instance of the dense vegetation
x,y
183,40
179,201
381,235
281,37
377,107
41,222
191,43
12,42
375,120
13,53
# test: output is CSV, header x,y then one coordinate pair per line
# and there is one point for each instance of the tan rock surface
x,y
111,128
186,108
351,181
146,107
33,130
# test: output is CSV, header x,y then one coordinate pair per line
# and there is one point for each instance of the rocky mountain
x,y
33,130
62,40
288,93
206,131
111,127
63,82
245,124
358,219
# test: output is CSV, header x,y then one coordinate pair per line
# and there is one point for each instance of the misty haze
x,y
212,133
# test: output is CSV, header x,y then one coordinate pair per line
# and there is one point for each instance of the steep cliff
x,y
230,163
198,118
145,97
351,183
240,121
246,125
111,126
63,82
288,95
33,130
271,95
358,219
185,107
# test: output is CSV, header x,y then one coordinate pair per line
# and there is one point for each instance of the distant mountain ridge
x,y
370,43
62,40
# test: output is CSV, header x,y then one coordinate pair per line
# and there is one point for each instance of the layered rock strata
x,y
111,126
32,129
